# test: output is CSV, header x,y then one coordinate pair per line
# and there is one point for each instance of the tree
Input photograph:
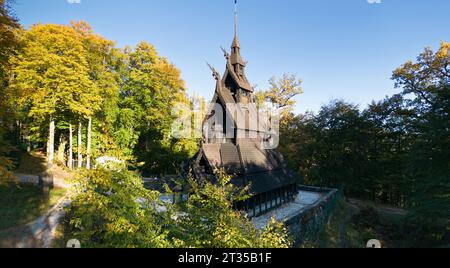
x,y
89,141
396,151
153,86
9,44
298,140
8,41
51,76
70,158
68,75
104,63
210,220
80,144
391,137
114,210
428,79
362,153
281,94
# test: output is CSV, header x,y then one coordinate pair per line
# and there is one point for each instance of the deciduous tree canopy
x,y
396,151
66,76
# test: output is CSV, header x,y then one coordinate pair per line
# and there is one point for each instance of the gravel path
x,y
37,234
41,232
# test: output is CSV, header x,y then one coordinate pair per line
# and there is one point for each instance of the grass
x,y
23,204
337,233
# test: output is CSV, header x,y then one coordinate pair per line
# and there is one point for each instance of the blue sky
x,y
340,48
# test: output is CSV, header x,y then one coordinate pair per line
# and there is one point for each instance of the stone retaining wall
x,y
45,179
310,222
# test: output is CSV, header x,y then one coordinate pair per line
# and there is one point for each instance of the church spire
x,y
235,63
235,47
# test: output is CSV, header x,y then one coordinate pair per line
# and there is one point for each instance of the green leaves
x,y
429,79
396,151
210,220
152,88
112,209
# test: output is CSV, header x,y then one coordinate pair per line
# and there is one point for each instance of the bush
x,y
210,220
113,209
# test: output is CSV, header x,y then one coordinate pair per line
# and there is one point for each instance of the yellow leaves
x,y
444,51
106,208
408,70
121,226
170,74
215,224
229,234
52,72
430,70
281,94
82,27
59,40
146,61
275,235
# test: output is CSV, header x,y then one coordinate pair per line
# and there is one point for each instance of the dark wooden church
x,y
233,133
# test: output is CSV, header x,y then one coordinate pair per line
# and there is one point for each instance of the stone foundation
x,y
305,217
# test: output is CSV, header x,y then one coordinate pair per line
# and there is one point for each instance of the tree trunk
x,y
88,159
70,158
62,150
51,144
80,156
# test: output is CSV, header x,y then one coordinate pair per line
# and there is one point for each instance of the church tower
x,y
233,133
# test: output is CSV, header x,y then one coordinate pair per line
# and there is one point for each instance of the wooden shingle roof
x,y
230,158
253,159
212,154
